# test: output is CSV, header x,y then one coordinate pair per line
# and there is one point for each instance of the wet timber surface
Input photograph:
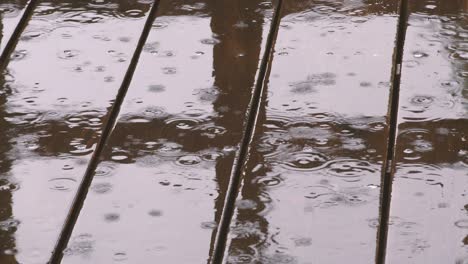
x,y
163,174
429,205
311,185
57,88
221,131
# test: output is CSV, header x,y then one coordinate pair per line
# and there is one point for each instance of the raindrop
x,y
81,244
188,160
120,156
68,54
324,9
109,79
156,88
31,35
7,186
101,188
167,53
194,112
443,205
303,242
67,167
169,148
169,70
246,204
419,54
229,149
134,13
120,256
422,145
155,213
154,112
460,55
462,223
210,41
243,258
377,126
18,55
422,100
410,64
302,88
9,225
124,39
62,184
183,124
209,225
99,2
104,170
159,25
350,170
365,84
359,19
213,131
212,156
305,161
165,183
269,180
111,217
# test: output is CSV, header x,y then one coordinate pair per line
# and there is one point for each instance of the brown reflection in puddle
x,y
55,93
428,209
10,15
167,164
312,181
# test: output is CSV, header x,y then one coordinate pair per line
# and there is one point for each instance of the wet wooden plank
x,y
429,206
10,15
311,188
159,189
55,94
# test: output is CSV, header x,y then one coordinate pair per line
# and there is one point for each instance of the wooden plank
x,y
159,189
10,15
312,181
55,94
429,206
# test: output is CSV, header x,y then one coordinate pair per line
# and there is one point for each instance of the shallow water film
x,y
234,131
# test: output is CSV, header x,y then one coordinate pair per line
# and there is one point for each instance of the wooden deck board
x,y
56,90
311,175
428,216
163,175
312,182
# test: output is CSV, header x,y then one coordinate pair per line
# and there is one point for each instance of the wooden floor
x,y
234,131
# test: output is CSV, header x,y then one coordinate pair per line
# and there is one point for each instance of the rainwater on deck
x,y
234,131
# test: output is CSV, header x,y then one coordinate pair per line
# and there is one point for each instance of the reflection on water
x,y
428,210
50,115
163,176
312,182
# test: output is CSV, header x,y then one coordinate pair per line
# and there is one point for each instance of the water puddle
x,y
55,94
312,180
429,188
167,164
